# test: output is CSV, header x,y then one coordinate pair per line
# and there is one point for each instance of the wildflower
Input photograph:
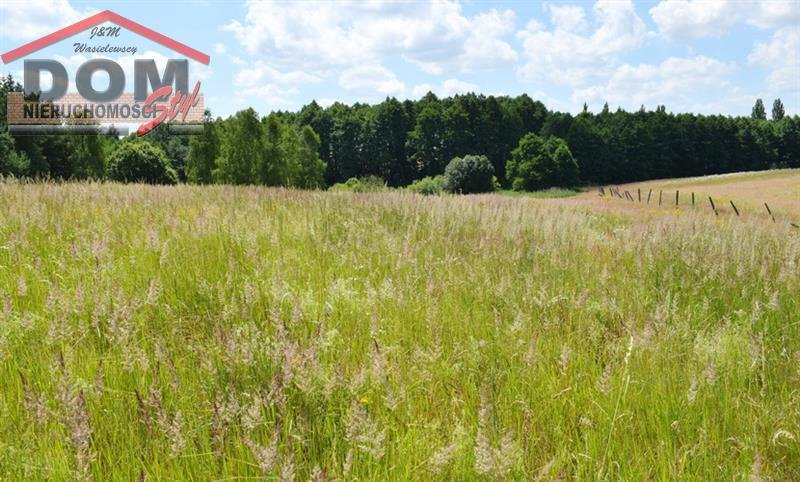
x,y
174,431
153,291
35,404
22,287
495,461
755,470
317,475
442,458
782,434
604,383
563,360
691,395
287,469
265,456
363,433
711,373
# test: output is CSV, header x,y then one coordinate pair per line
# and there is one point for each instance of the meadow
x,y
779,188
235,333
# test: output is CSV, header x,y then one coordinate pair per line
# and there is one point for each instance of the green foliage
x,y
86,156
551,193
427,185
401,142
539,163
759,112
202,156
363,184
136,160
310,172
469,174
242,150
12,163
777,110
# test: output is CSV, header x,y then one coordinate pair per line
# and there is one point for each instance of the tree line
x,y
400,142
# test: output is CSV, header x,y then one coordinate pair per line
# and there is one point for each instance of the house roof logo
x,y
47,110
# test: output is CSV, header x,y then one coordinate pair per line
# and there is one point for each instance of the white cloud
x,y
565,56
782,56
676,82
371,78
30,19
571,18
447,88
273,95
331,36
262,73
686,19
220,48
483,48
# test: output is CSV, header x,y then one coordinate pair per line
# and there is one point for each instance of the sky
x,y
709,56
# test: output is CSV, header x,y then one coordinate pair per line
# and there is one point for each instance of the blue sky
x,y
693,56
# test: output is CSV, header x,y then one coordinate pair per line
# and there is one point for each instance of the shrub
x,y
361,184
469,174
427,185
540,163
12,163
140,161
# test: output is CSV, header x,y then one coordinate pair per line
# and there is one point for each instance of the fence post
x,y
660,195
692,198
639,193
770,212
734,208
677,194
650,193
712,206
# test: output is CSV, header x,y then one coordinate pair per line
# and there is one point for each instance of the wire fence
x,y
614,192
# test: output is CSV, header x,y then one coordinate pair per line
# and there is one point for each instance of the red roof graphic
x,y
104,16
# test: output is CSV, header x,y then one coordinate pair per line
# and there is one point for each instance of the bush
x,y
361,184
469,174
540,163
427,185
140,161
12,163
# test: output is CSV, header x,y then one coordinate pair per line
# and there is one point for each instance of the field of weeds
x,y
220,333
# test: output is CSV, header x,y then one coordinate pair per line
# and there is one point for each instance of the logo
x,y
158,97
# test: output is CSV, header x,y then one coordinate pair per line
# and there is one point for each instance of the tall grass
x,y
217,333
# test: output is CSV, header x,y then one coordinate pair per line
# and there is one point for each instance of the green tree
x,y
310,167
242,148
346,149
136,160
469,174
759,112
273,166
777,110
12,163
86,156
427,141
203,152
539,163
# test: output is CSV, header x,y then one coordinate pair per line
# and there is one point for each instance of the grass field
x,y
220,333
780,189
